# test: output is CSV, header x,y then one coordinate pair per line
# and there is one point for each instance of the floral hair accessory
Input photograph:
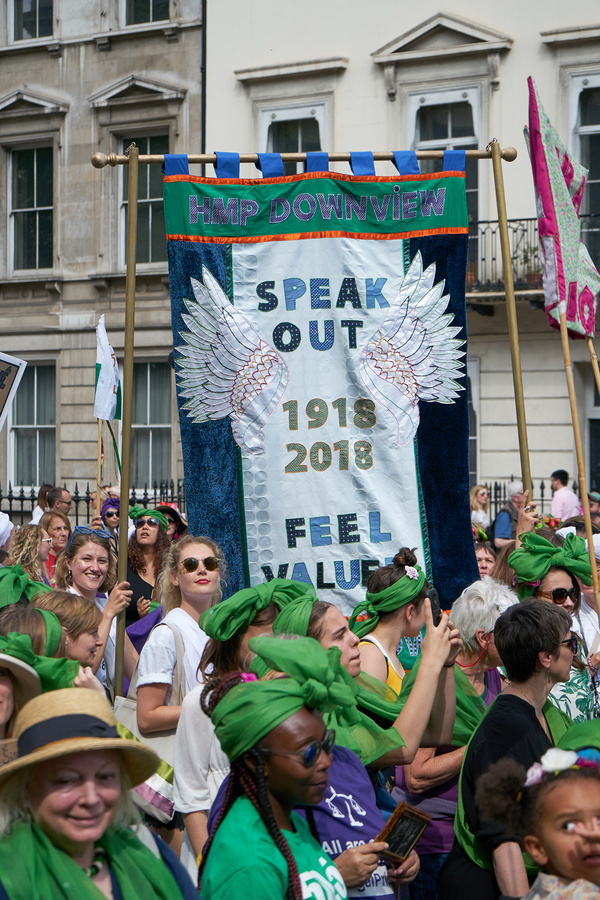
x,y
553,762
248,676
411,572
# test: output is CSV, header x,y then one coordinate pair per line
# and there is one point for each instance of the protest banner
x,y
319,333
12,370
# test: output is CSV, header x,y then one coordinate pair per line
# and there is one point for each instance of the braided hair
x,y
249,782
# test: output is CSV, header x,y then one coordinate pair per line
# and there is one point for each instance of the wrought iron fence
x,y
19,502
542,495
484,269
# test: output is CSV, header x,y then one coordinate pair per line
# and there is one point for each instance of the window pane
x,y
46,395
47,463
161,455
140,394
44,176
25,19
160,10
433,122
158,143
309,136
45,260
24,402
45,19
160,393
158,237
462,119
138,11
23,179
590,106
25,240
284,137
25,456
143,234
140,457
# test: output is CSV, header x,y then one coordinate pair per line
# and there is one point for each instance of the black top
x,y
140,588
511,728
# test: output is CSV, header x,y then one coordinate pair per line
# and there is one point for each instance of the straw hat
x,y
69,721
25,678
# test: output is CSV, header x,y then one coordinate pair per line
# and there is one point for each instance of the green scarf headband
x,y
251,710
391,598
536,556
14,582
294,618
136,512
53,673
235,614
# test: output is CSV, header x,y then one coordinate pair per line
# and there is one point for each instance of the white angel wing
x,y
414,355
226,367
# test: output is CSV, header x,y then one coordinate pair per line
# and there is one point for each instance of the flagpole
x,y
127,398
594,359
579,450
99,467
511,315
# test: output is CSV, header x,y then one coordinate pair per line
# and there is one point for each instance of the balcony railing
x,y
484,267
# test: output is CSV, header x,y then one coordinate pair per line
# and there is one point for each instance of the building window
x,y
139,11
32,213
151,236
473,368
448,120
294,129
33,427
151,424
588,132
33,19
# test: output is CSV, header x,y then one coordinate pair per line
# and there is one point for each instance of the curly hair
x,y
249,781
136,558
24,551
501,795
62,574
169,594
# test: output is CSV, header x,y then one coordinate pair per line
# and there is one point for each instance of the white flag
x,y
107,404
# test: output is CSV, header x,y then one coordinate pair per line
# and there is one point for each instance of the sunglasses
x,y
170,519
572,644
110,513
46,541
559,595
312,752
190,563
151,521
83,529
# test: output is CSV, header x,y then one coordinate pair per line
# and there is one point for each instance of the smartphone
x,y
436,610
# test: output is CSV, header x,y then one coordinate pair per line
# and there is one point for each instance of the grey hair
x,y
514,487
478,607
15,803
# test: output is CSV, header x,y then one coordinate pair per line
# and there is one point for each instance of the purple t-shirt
x,y
346,817
440,802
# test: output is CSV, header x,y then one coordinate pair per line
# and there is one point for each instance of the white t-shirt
x,y
158,656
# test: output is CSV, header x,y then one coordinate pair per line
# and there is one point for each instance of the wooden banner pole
x,y
511,315
99,468
127,398
594,359
579,451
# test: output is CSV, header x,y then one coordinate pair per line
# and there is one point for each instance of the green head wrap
x,y
235,614
14,582
135,512
581,736
294,618
251,710
393,597
53,632
536,556
53,673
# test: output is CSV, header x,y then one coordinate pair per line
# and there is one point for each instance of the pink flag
x,y
571,281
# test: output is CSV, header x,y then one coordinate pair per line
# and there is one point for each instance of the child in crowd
x,y
554,809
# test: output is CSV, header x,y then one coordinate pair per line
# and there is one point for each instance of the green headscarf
x,y
235,614
44,871
14,582
136,512
536,556
53,673
391,598
581,736
294,618
353,729
251,710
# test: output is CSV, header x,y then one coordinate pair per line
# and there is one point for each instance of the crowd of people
x,y
260,743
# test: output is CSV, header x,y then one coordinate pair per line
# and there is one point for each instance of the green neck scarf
x,y
582,736
391,598
136,512
295,617
236,614
536,556
14,583
53,673
44,871
353,728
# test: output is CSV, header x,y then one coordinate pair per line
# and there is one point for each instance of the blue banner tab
x,y
227,165
270,164
175,164
362,163
406,162
317,161
454,160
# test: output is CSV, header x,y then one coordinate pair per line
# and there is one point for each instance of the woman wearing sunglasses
x,y
145,552
550,572
87,567
280,752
